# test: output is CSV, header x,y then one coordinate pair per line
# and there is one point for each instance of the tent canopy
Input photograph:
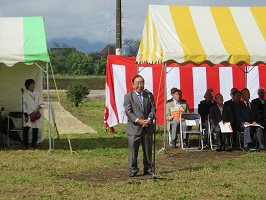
x,y
227,35
22,45
22,40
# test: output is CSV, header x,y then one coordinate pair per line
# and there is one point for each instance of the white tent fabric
x,y
22,39
198,34
22,46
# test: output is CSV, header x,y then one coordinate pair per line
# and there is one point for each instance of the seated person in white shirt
x,y
220,113
173,121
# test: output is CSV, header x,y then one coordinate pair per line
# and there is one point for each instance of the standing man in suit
x,y
174,122
247,114
260,101
220,113
140,110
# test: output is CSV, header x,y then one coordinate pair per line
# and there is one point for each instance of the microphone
x,y
149,92
22,90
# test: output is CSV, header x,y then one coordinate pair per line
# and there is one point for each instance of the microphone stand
x,y
22,110
153,176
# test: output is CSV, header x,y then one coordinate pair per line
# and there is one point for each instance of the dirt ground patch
x,y
172,160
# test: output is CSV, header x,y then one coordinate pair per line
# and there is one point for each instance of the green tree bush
x,y
76,92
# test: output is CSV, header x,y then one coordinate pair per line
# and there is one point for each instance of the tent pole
x,y
49,108
164,105
164,114
246,76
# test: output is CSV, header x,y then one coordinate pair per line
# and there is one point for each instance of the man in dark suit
x,y
231,94
140,111
220,113
260,101
204,110
248,115
236,96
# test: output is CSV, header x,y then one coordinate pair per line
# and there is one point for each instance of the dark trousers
x,y
134,142
247,134
26,135
222,138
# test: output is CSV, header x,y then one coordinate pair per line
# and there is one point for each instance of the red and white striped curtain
x,y
192,80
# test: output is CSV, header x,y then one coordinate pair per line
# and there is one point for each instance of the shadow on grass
x,y
86,143
76,144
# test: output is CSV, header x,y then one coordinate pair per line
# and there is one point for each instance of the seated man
x,y
232,98
236,96
204,110
260,101
220,113
173,121
248,115
169,100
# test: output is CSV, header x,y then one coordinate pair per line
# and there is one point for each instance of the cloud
x,y
91,20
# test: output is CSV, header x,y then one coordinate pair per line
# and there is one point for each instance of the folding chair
x,y
16,120
191,119
240,138
212,135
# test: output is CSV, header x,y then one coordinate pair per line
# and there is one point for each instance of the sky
x,y
92,22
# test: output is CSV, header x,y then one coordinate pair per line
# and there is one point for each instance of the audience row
x,y
244,116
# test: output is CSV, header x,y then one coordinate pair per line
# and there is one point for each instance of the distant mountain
x,y
79,43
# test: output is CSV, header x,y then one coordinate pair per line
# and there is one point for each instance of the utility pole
x,y
118,28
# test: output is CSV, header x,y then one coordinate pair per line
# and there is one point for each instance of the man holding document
x,y
221,117
247,114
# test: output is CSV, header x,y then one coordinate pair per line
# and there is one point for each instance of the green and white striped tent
x,y
23,55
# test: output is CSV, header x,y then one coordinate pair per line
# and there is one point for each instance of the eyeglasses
x,y
139,83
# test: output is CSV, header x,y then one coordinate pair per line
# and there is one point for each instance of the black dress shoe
x,y
262,148
133,174
185,144
219,148
25,147
148,172
246,149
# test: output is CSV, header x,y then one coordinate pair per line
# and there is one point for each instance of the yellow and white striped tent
x,y
198,34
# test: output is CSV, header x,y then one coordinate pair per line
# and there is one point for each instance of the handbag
x,y
35,116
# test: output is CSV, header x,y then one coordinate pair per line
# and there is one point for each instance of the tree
x,y
76,92
131,46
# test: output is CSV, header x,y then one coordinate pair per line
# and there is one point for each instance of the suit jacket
x,y
168,113
216,116
134,110
243,114
260,106
204,109
228,103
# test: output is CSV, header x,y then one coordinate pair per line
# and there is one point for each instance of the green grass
x,y
92,82
39,174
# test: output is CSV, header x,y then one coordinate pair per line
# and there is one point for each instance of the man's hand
x,y
143,122
254,123
246,123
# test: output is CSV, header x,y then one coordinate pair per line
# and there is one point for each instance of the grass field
x,y
98,169
92,82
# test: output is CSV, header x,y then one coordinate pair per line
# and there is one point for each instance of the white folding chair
x,y
191,119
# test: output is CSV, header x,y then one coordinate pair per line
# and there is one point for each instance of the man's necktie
x,y
248,106
221,109
140,99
